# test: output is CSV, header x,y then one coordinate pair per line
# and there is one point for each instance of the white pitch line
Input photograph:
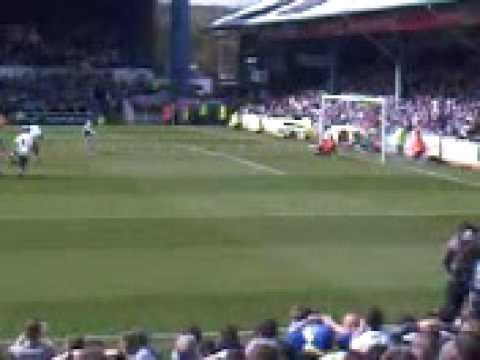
x,y
249,163
447,177
386,213
421,171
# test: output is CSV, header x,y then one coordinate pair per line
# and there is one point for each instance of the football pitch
x,y
167,227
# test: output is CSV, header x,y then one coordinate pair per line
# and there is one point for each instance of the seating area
x,y
65,91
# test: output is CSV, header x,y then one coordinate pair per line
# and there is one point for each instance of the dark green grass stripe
x,y
64,184
170,312
28,234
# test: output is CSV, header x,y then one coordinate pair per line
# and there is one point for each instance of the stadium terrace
x,y
64,62
396,47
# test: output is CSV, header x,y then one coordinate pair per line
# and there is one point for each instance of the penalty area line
x,y
418,170
441,176
252,164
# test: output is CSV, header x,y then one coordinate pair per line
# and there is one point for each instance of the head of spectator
x,y
374,319
207,348
196,331
351,324
73,345
467,233
467,226
144,350
299,312
33,331
90,352
129,343
265,335
267,329
375,335
229,339
186,348
76,343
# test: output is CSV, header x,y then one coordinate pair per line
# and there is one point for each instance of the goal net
x,y
356,121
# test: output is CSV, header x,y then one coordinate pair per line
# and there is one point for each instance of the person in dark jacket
x,y
463,250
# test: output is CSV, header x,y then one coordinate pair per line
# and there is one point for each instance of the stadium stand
x,y
420,55
442,115
78,66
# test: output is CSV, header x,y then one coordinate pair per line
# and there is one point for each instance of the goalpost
x,y
349,99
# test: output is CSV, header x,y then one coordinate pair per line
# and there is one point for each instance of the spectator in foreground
x,y
457,262
294,337
350,327
93,351
207,348
31,344
319,337
73,345
426,344
298,315
197,333
229,339
266,335
186,348
144,350
129,344
465,346
374,335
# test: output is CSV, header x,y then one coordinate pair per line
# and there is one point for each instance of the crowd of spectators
x,y
441,115
68,90
28,45
440,92
441,64
47,69
310,335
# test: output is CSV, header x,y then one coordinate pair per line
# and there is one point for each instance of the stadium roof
x,y
278,11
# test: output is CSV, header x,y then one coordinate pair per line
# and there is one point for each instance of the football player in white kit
x,y
89,135
36,134
23,149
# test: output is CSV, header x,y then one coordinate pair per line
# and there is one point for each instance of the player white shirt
x,y
23,144
36,131
88,129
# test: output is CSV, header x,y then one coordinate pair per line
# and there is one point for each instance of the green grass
x,y
152,232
